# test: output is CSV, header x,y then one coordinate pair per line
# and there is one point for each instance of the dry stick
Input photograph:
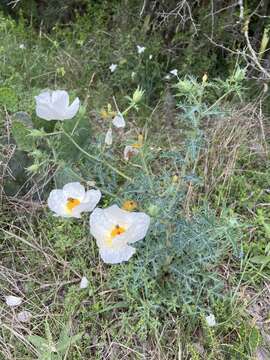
x,y
252,51
241,6
220,10
19,336
238,52
38,248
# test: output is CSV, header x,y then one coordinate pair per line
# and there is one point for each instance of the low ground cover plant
x,y
134,217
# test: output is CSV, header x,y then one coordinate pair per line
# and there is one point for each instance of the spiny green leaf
x,y
67,342
80,131
65,175
20,133
8,98
39,342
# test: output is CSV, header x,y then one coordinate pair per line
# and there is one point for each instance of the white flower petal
x,y
108,137
112,256
74,190
44,112
24,316
84,283
211,320
72,109
174,72
92,198
100,225
138,228
43,98
130,151
89,202
54,105
13,300
118,216
113,67
119,121
140,49
60,99
57,201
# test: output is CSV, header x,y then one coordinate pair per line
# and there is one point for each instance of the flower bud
x,y
137,95
153,210
33,168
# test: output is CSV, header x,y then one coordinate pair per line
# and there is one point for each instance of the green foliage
x,y
21,126
180,255
8,98
48,349
190,263
80,131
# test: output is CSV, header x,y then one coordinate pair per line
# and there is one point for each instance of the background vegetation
x,y
202,175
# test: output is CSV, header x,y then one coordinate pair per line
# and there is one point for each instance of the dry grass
x,y
244,130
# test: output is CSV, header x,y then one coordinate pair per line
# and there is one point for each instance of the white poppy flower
x,y
22,46
84,283
108,137
130,151
54,105
167,77
13,300
174,72
119,121
24,316
211,320
113,68
114,229
150,57
140,49
72,200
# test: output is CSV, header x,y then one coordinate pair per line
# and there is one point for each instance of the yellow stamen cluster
x,y
72,203
107,113
138,144
117,230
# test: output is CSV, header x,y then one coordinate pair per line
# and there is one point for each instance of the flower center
x,y
71,204
117,230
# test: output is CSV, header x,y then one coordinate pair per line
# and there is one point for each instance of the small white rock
x,y
84,283
13,300
211,320
24,316
119,121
